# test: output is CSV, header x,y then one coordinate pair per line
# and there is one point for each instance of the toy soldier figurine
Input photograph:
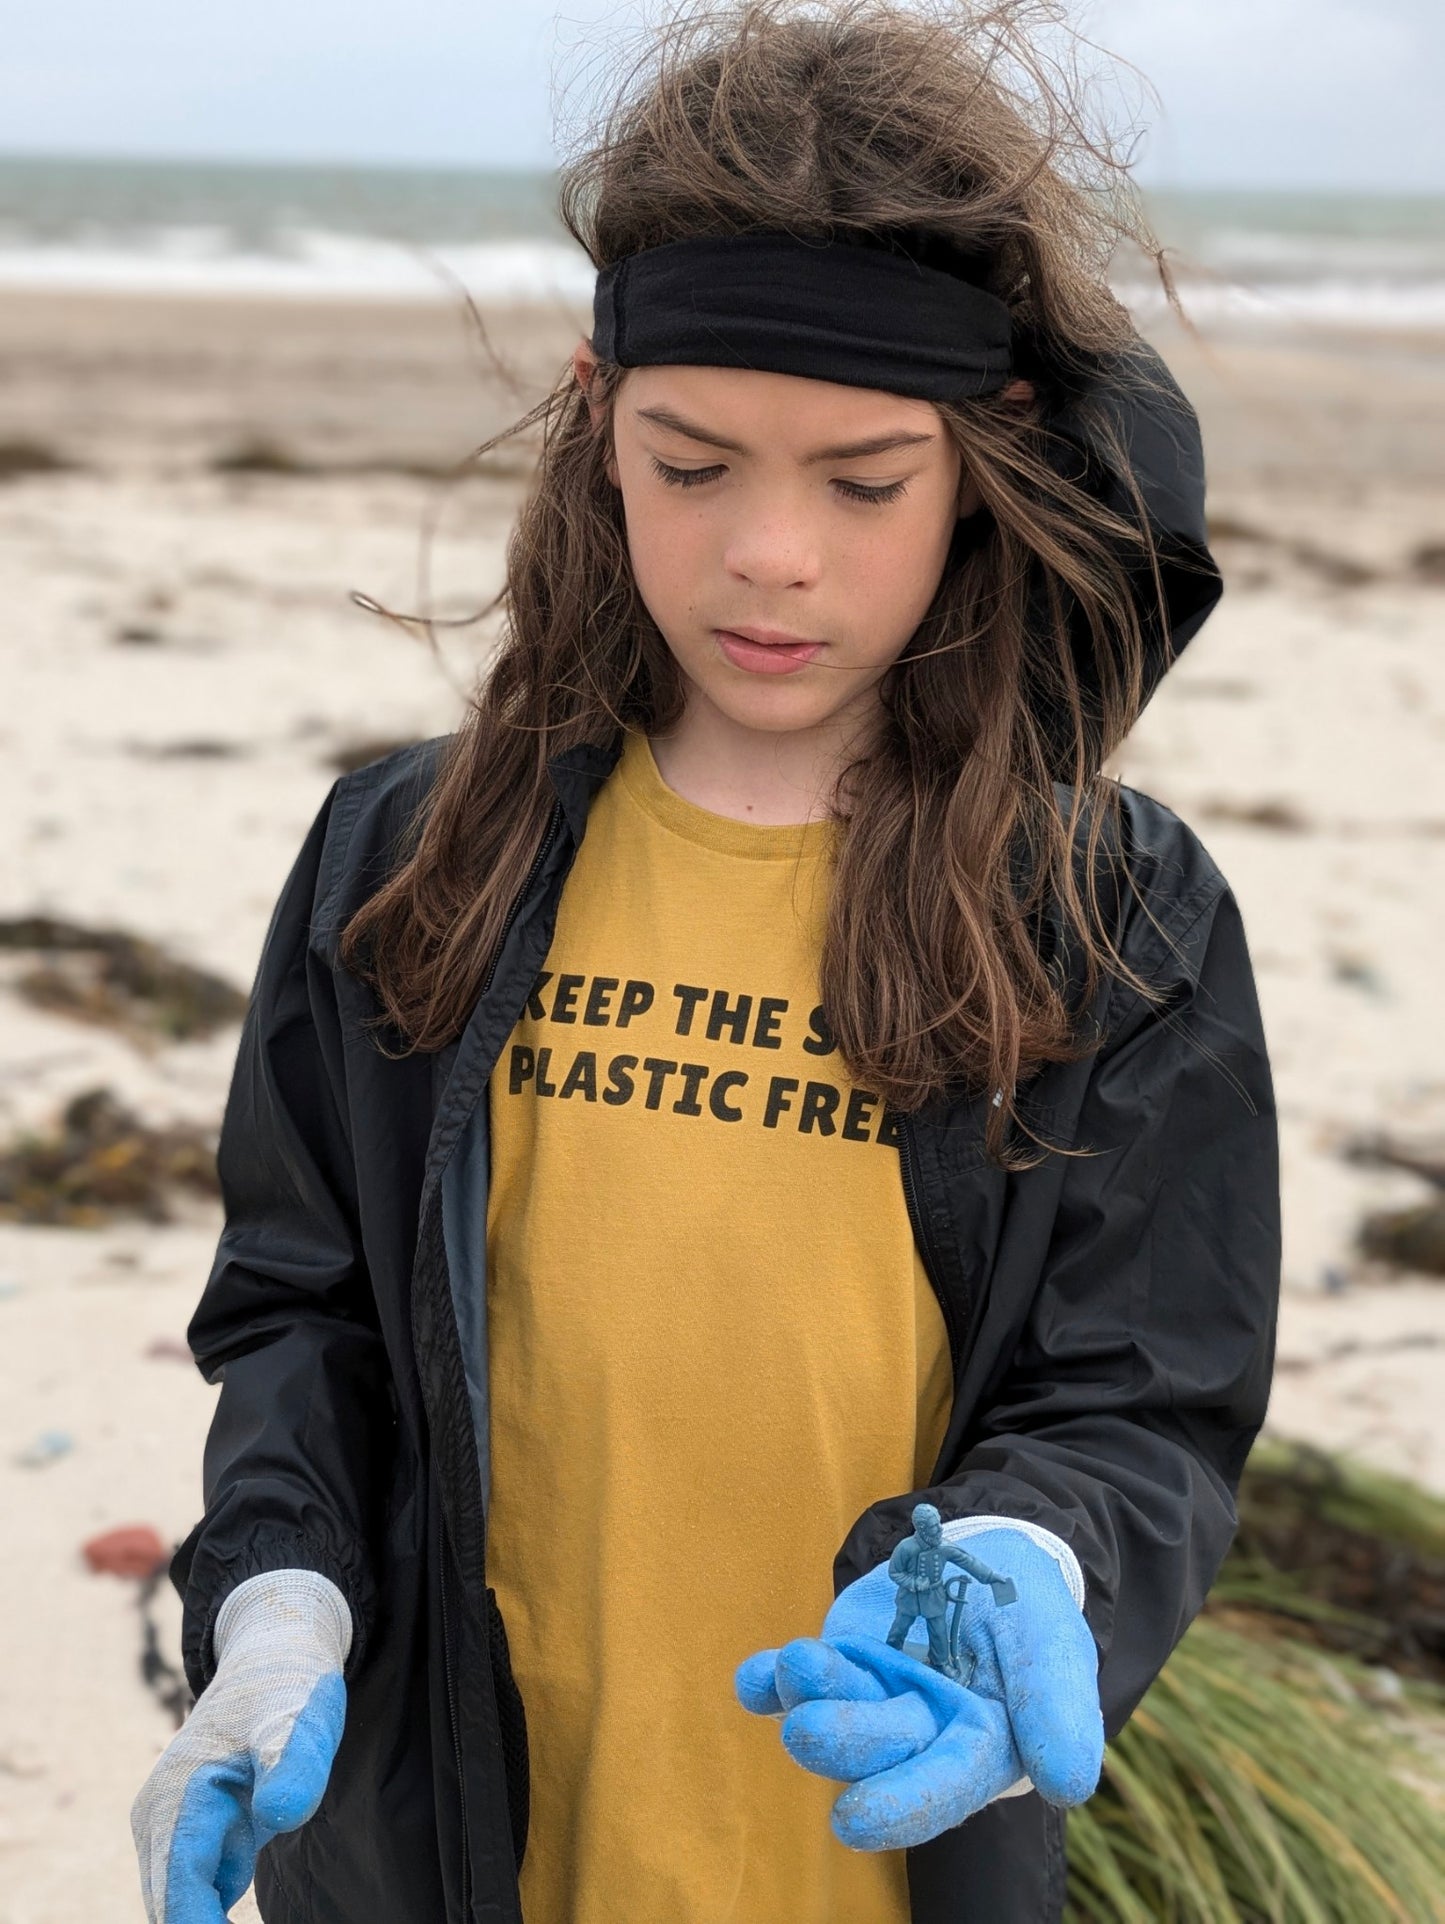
x,y
917,1567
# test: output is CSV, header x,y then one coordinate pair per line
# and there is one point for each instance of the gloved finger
x,y
808,1667
848,1740
894,1672
213,1828
1052,1693
753,1680
243,1843
970,1764
288,1790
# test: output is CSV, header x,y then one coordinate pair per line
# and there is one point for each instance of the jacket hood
x,y
1115,417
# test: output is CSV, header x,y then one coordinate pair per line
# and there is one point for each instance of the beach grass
x,y
1271,1774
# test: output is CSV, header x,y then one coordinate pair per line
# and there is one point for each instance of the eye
x,y
681,477
695,477
890,493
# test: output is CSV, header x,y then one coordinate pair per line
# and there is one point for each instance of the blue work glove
x,y
920,1752
254,1755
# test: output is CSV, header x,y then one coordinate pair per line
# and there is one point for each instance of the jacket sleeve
x,y
1141,1377
1143,1374
286,1324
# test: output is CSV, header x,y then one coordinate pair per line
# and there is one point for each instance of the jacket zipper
x,y
552,827
456,1742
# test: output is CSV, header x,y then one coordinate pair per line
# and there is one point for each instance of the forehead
x,y
764,412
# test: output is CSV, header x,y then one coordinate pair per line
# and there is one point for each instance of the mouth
x,y
766,651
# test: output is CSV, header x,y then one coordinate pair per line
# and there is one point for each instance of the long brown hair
x,y
849,117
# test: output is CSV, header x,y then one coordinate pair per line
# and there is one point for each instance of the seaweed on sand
x,y
21,456
103,1162
107,976
261,454
1412,1238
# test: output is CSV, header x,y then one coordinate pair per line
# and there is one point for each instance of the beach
x,y
192,490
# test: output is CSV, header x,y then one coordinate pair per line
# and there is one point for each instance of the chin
x,y
777,704
770,708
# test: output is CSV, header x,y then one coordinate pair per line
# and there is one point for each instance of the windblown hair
x,y
849,118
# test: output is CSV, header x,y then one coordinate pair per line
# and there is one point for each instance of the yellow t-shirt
x,y
712,1344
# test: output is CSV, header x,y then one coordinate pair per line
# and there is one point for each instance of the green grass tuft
x,y
1270,1776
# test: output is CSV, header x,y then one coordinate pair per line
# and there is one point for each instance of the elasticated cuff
x,y
204,1580
303,1597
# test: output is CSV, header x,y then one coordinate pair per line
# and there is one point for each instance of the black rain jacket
x,y
1111,1322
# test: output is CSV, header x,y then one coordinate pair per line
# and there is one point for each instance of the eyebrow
x,y
666,417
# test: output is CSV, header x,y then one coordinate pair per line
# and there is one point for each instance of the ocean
x,y
1271,259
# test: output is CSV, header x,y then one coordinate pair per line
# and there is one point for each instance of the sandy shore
x,y
183,666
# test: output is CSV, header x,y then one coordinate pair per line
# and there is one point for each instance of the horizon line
x,y
409,164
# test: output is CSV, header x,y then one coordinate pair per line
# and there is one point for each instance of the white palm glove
x,y
254,1755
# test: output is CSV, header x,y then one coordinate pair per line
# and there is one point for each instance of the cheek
x,y
669,547
898,560
900,546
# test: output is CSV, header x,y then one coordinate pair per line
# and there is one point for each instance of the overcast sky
x,y
1284,93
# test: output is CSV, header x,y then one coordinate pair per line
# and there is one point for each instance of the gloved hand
x,y
919,1752
254,1755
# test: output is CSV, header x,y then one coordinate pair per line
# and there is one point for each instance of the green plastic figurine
x,y
917,1568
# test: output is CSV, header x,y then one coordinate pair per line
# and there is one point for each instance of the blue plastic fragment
x,y
49,1445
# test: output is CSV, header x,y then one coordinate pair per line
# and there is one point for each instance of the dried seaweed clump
x,y
119,980
1355,1558
1411,1239
103,1162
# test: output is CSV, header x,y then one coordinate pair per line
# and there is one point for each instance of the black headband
x,y
861,315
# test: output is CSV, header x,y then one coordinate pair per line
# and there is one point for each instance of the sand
x,y
182,663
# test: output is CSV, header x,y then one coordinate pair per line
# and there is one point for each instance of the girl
x,y
756,1095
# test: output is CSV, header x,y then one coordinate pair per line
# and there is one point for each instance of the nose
x,y
774,547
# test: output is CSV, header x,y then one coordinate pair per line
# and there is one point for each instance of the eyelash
x,y
694,477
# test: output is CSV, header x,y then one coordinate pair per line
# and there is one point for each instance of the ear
x,y
584,363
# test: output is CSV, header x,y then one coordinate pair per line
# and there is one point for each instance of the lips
x,y
766,658
771,638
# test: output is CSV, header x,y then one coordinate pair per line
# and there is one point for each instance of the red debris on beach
x,y
171,1349
132,1550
